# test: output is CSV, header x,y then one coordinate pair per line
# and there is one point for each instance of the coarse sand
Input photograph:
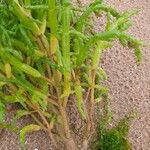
x,y
129,85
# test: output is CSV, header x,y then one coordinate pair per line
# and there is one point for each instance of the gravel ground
x,y
129,85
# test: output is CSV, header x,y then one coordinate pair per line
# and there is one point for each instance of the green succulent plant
x,y
44,46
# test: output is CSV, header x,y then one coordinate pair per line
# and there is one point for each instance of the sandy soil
x,y
129,85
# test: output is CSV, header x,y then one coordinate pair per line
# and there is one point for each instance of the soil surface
x,y
129,85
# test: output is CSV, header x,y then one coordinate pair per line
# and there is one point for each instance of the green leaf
x,y
36,99
123,19
44,7
11,127
8,70
124,124
138,55
2,84
112,140
80,103
24,17
27,129
116,137
101,74
21,113
102,89
19,65
2,112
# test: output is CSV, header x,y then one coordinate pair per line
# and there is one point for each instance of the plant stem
x,y
66,49
54,45
79,96
92,74
52,21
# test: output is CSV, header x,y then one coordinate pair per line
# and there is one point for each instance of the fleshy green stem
x,y
66,48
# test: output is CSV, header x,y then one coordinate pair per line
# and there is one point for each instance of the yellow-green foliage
x,y
47,54
115,138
